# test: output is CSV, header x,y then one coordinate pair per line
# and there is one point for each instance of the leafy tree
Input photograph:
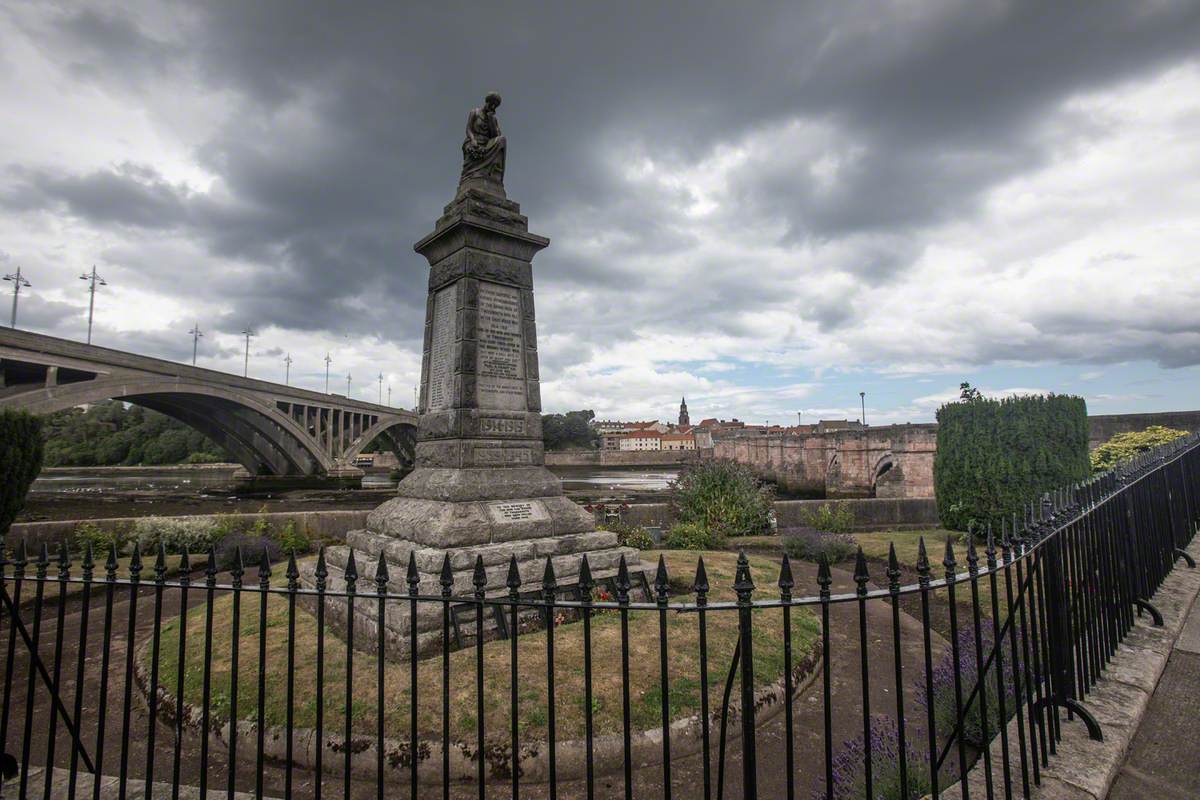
x,y
113,433
570,431
21,451
968,393
1127,446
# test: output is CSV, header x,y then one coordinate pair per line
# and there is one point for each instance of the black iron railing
x,y
902,690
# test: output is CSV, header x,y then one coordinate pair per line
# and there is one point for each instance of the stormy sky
x,y
765,207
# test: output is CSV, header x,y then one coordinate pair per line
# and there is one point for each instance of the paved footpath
x,y
1165,751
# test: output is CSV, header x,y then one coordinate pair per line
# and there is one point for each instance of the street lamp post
x,y
92,279
389,395
862,396
381,388
248,332
18,282
327,362
287,370
196,334
347,383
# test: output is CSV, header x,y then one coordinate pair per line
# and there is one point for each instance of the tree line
x,y
112,433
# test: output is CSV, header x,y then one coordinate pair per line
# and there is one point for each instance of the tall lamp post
x,y
248,332
389,395
347,383
862,396
327,362
18,282
381,388
287,370
196,334
92,278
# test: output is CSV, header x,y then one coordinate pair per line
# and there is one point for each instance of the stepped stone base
x,y
541,528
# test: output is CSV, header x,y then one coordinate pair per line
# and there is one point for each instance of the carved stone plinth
x,y
479,487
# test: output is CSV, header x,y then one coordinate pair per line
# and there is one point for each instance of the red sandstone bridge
x,y
270,429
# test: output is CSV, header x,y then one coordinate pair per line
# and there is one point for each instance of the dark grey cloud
x,y
339,142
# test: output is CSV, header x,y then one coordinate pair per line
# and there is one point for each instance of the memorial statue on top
x,y
484,149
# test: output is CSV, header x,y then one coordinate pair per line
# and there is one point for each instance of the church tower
x,y
684,420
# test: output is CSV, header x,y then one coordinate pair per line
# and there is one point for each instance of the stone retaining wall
x,y
618,458
318,526
869,514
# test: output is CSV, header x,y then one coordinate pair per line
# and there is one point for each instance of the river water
x,y
175,480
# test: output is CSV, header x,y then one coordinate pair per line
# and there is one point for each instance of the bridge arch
x,y
401,438
263,439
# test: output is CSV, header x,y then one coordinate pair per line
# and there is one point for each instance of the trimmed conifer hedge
x,y
994,456
20,461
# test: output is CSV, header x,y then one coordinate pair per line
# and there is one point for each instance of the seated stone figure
x,y
484,149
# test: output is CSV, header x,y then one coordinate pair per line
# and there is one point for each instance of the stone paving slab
x,y
109,787
1165,751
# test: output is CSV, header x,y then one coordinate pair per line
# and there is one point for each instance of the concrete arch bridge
x,y
279,434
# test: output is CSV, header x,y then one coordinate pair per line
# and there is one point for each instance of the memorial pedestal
x,y
480,487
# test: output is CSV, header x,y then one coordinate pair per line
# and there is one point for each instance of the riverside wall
x,y
620,458
318,526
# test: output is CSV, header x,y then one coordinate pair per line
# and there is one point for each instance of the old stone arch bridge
x,y
274,431
885,461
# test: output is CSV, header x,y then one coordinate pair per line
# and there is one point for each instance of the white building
x,y
678,441
642,440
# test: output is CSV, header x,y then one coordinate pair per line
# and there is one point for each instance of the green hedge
x,y
21,449
993,456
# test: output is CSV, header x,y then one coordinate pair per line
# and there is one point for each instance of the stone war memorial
x,y
479,490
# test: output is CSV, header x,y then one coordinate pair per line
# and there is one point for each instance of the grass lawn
x,y
645,686
875,546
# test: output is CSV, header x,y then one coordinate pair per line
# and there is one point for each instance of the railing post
x,y
744,587
1059,634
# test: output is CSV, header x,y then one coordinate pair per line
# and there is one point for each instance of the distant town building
x,y
646,439
678,441
684,420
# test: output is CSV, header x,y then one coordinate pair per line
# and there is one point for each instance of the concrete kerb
x,y
1083,769
570,756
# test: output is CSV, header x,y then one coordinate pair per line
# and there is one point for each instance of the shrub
x,y
193,534
994,456
290,539
722,495
829,518
88,533
640,539
693,536
21,449
944,704
1127,446
227,525
628,535
849,780
810,545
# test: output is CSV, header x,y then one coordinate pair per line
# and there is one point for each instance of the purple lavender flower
x,y
849,773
